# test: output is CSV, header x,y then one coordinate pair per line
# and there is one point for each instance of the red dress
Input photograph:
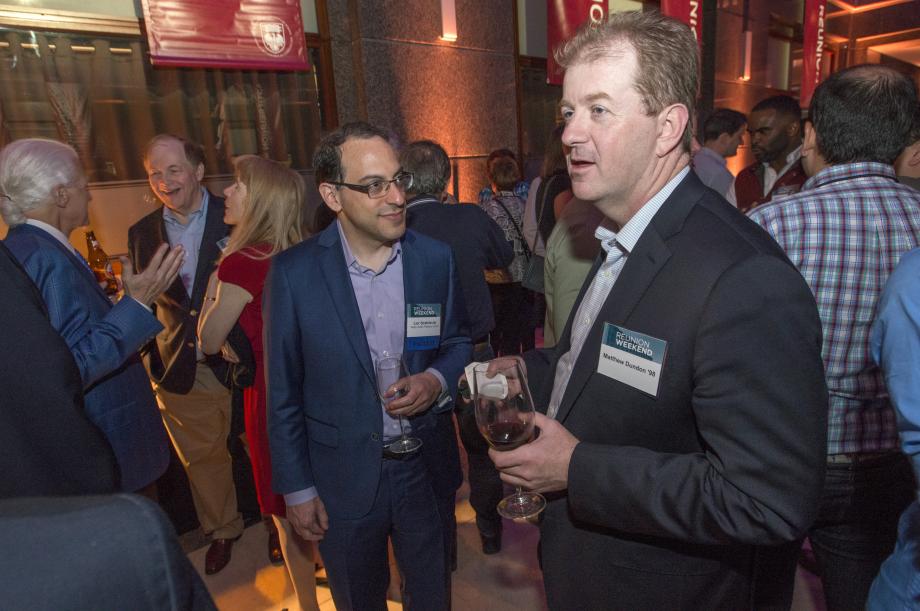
x,y
241,269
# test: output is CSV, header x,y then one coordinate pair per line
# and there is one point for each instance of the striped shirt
x,y
845,231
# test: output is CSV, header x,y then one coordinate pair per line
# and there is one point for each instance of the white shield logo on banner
x,y
275,37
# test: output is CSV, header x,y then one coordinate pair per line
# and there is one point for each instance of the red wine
x,y
505,436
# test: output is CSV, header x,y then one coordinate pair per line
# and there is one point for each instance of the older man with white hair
x,y
43,198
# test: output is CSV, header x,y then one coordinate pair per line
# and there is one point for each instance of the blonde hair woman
x,y
265,206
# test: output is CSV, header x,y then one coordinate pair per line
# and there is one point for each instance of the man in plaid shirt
x,y
846,231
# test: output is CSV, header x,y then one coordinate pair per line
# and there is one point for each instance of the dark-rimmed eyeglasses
x,y
379,188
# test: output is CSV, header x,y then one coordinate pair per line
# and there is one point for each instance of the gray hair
x,y
30,170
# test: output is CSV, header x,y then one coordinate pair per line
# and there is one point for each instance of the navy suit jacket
x,y
324,415
104,340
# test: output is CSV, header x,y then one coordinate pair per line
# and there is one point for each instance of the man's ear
x,y
809,141
199,172
795,128
672,121
61,196
330,195
913,154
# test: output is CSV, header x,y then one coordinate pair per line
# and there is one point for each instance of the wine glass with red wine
x,y
504,414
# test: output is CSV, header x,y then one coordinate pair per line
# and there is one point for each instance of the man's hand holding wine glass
x,y
421,391
541,465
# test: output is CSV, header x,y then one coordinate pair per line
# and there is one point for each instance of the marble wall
x,y
392,69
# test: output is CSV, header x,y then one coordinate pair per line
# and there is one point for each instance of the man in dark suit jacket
x,y
95,552
193,398
335,304
48,447
478,244
686,406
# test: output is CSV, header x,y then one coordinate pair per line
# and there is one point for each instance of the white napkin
x,y
492,388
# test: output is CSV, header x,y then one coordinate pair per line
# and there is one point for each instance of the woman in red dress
x,y
264,204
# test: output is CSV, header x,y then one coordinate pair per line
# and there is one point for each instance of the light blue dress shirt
x,y
895,343
189,236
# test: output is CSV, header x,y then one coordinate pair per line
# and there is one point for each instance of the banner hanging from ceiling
x,y
240,34
688,11
812,48
563,18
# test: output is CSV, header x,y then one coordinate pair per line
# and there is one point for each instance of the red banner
x,y
245,34
688,11
812,48
563,18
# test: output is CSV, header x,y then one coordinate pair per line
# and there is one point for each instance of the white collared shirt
x,y
770,176
617,245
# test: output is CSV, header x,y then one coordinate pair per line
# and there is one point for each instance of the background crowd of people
x,y
771,399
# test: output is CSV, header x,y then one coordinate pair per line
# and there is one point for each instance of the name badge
x,y
423,326
635,359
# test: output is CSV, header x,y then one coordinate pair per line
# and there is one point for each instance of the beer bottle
x,y
99,263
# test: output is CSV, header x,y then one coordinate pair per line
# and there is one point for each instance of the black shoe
x,y
491,544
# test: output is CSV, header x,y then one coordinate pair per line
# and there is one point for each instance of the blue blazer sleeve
x,y
284,362
101,337
456,347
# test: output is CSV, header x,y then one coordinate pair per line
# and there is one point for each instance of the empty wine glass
x,y
390,369
505,414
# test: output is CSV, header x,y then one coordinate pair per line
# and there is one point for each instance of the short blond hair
x,y
667,56
273,213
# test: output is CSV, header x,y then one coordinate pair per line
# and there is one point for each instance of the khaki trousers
x,y
298,558
198,424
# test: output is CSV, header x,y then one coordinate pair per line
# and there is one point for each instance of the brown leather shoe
x,y
218,555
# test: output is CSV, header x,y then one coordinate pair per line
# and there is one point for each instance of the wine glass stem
x,y
402,430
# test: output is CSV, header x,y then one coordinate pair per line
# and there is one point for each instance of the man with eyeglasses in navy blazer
x,y
334,305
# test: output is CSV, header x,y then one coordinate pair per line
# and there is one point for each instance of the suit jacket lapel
x,y
642,265
208,252
176,291
413,273
332,264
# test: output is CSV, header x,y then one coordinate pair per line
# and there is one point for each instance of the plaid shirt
x,y
846,231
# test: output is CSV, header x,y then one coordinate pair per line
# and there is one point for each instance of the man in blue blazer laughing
x,y
334,305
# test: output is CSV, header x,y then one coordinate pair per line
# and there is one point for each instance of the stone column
x,y
392,69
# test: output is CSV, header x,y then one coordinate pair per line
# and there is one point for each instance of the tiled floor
x,y
507,581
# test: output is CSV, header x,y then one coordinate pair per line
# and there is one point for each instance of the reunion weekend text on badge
x,y
633,358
